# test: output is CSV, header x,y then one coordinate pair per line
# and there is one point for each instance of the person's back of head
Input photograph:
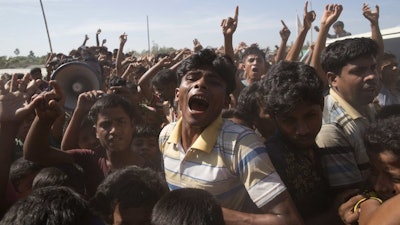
x,y
207,58
49,205
164,77
36,73
22,173
249,103
68,175
187,206
339,53
128,188
384,135
290,83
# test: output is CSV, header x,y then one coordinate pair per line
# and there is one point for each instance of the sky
x,y
172,23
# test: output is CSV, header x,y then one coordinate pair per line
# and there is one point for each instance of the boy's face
x,y
147,147
301,125
386,173
114,129
254,67
87,138
358,82
201,97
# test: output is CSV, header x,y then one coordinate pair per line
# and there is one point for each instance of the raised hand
x,y
87,99
372,16
86,37
13,97
98,31
309,17
229,24
285,32
49,104
196,45
123,38
331,14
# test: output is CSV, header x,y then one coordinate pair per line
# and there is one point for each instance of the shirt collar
x,y
207,139
350,110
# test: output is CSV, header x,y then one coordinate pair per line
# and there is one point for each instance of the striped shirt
x,y
342,137
228,160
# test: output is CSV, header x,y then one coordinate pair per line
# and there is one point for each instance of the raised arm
x,y
308,19
120,54
330,15
97,37
144,81
229,26
36,146
373,17
85,40
13,111
285,33
83,105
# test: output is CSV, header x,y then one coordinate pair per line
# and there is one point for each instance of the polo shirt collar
x,y
350,110
207,139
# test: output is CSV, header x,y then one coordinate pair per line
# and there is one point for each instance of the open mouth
x,y
254,70
198,103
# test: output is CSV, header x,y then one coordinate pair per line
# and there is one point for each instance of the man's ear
x,y
332,79
176,94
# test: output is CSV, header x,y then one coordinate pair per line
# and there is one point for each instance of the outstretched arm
x,y
331,14
97,37
373,17
229,26
85,40
285,33
309,17
118,63
144,81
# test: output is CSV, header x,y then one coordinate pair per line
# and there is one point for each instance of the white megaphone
x,y
75,78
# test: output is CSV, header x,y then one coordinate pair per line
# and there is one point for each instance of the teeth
x,y
200,98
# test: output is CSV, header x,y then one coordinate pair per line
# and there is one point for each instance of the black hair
x,y
187,206
112,101
290,83
49,205
339,53
388,111
222,65
253,50
163,77
20,169
147,131
35,70
384,135
249,102
69,175
338,24
131,186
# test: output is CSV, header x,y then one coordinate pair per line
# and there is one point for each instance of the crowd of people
x,y
208,136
